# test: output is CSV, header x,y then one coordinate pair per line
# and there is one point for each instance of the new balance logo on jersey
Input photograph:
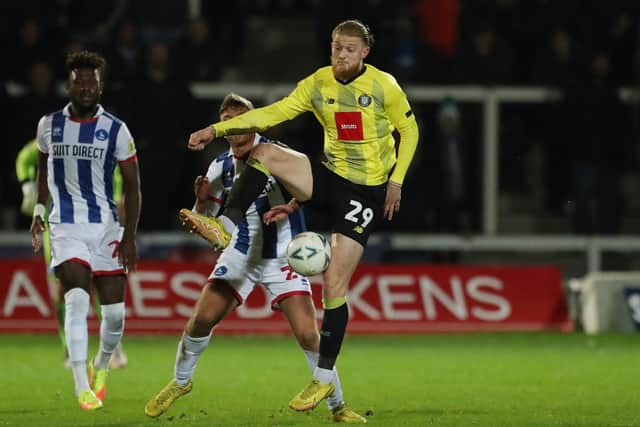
x,y
349,126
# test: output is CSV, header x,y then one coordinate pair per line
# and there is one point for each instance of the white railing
x,y
592,247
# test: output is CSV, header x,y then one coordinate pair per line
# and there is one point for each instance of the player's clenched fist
x,y
199,139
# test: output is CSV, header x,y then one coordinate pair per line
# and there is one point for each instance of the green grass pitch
x,y
510,379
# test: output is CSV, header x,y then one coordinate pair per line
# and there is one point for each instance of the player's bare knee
x,y
201,323
334,287
273,155
308,340
202,320
196,329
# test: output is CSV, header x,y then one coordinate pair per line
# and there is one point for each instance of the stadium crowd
x,y
583,146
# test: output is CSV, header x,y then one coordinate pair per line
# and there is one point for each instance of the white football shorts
x,y
243,274
94,245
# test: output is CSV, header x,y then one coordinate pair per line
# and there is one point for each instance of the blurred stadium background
x,y
520,211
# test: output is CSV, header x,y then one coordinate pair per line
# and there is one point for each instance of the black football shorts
x,y
350,209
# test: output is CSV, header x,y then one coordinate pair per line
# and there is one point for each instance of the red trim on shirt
x,y
130,159
276,300
79,261
92,119
235,293
109,272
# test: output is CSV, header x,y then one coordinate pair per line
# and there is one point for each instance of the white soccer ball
x,y
309,253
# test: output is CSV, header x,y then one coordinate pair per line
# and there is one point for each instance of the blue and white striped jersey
x,y
82,157
252,236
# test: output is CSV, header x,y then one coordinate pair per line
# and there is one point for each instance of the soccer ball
x,y
309,253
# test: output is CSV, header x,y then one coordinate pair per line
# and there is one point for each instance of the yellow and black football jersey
x,y
358,118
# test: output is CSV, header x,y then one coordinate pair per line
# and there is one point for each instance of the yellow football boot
x,y
311,396
210,229
161,402
342,414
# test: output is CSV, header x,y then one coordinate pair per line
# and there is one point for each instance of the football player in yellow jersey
x,y
359,107
238,271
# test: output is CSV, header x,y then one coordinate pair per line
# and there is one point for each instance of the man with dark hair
x,y
79,147
26,167
257,254
359,107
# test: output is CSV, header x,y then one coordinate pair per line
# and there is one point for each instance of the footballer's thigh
x,y
73,274
301,315
110,288
292,168
70,256
216,301
290,293
345,256
356,210
108,274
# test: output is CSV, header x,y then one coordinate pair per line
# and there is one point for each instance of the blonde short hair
x,y
355,28
233,100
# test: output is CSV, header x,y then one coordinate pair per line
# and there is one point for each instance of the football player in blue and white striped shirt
x,y
79,147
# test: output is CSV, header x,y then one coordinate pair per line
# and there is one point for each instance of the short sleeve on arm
x,y
125,146
44,134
